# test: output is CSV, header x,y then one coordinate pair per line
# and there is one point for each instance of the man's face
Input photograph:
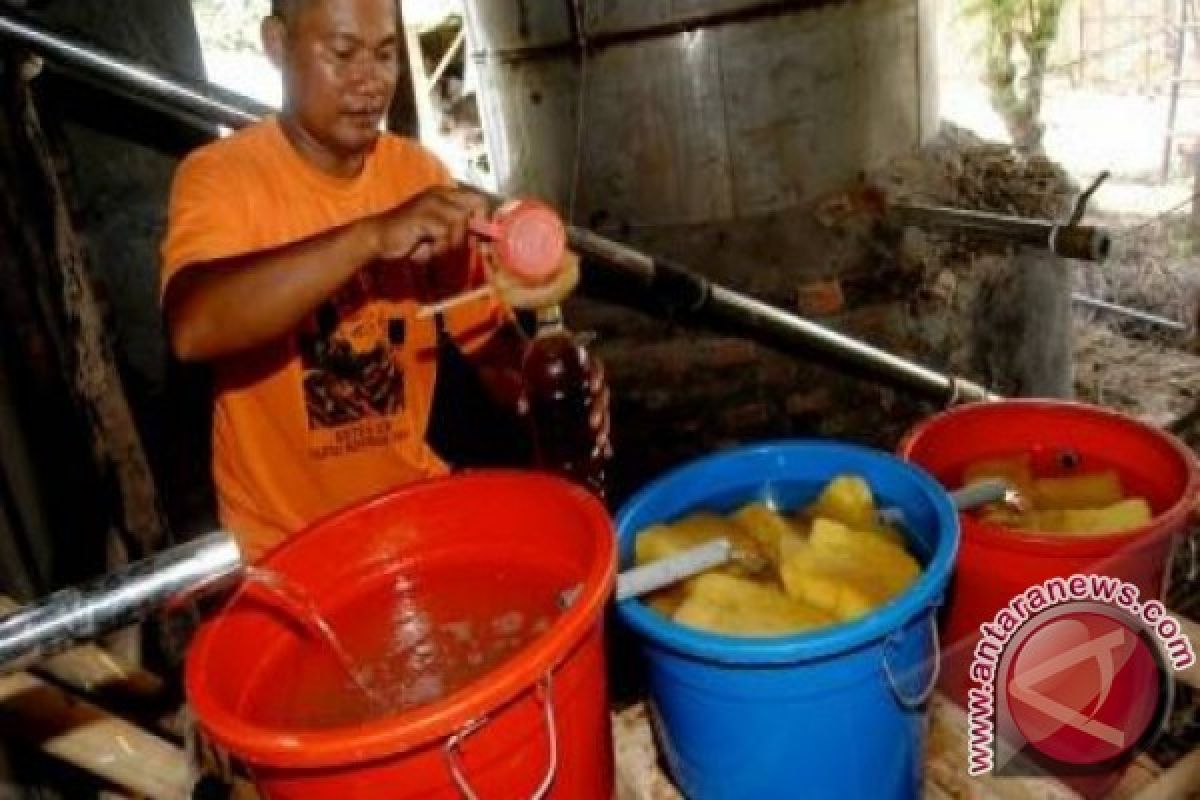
x,y
339,62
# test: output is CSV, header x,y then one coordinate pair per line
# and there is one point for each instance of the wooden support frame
x,y
90,738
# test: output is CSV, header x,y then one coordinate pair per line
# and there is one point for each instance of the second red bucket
x,y
472,565
995,564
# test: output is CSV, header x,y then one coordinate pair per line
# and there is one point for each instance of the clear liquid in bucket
x,y
410,645
286,596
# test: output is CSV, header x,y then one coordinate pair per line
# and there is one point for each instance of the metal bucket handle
x,y
458,771
920,698
1192,538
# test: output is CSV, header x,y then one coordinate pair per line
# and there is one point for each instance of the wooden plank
x,y
946,763
1140,774
640,778
87,737
95,379
1180,782
92,669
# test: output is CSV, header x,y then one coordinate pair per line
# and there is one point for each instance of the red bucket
x,y
536,725
994,563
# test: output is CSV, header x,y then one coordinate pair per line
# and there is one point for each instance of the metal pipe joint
x,y
71,616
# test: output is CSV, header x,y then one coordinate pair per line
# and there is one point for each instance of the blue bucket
x,y
833,713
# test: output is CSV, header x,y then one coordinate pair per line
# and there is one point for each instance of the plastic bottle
x,y
556,371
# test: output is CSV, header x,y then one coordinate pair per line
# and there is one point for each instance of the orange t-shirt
x,y
337,411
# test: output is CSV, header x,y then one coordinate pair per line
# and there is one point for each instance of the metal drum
x,y
691,112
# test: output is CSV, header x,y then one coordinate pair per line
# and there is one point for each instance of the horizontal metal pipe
x,y
1082,242
632,263
199,102
770,324
685,291
128,595
1125,311
693,295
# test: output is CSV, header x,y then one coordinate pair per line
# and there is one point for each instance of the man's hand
x,y
205,303
430,225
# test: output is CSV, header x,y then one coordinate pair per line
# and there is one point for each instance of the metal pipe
x,y
196,101
691,295
682,290
770,324
1083,242
128,595
1125,311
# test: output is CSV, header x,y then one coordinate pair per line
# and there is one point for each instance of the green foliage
x,y
1019,35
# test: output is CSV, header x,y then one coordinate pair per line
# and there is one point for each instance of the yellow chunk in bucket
x,y
1117,518
1091,490
660,541
847,499
775,532
740,607
845,572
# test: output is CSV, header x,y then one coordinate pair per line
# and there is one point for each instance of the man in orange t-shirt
x,y
296,255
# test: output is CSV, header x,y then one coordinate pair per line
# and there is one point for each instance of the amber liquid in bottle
x,y
556,372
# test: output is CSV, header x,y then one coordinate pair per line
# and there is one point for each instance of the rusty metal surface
x,y
1083,242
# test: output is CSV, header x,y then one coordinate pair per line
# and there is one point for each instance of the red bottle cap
x,y
530,239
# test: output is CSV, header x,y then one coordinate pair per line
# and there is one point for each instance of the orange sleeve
x,y
206,220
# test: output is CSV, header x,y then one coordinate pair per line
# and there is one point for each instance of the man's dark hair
x,y
286,10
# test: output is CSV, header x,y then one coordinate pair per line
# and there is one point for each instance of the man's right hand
x,y
430,225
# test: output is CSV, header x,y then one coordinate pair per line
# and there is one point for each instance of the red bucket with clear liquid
x,y
456,552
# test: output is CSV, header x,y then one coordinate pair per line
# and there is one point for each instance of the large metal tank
x,y
663,115
712,132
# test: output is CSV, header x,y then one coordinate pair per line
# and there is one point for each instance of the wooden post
x,y
94,377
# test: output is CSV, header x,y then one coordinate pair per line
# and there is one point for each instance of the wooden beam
x,y
447,58
93,740
1181,781
91,669
95,378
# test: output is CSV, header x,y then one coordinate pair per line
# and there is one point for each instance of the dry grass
x,y
1146,370
1143,377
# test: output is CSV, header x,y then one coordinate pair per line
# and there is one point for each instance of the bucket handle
x,y
458,771
922,697
1193,545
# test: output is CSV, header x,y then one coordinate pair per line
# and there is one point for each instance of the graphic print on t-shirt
x,y
348,356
